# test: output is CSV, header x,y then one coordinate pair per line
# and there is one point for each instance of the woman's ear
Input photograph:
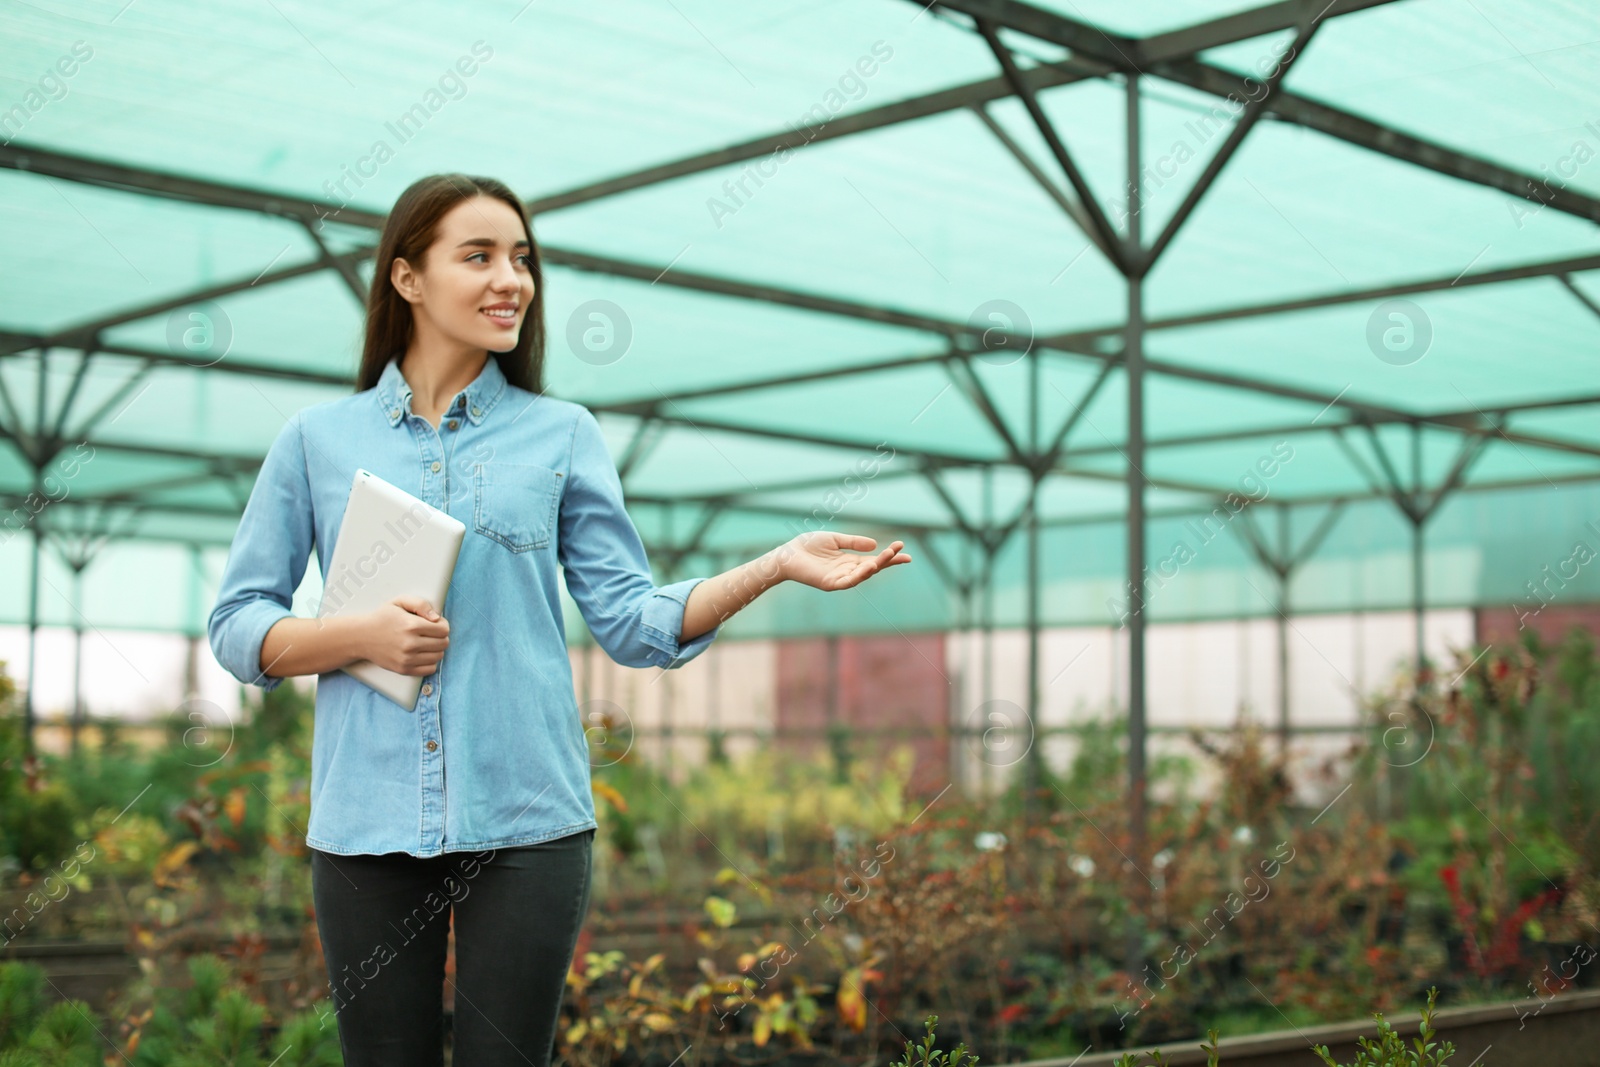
x,y
405,281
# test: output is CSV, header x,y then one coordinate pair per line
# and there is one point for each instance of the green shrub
x,y
305,1041
1391,1051
230,1036
35,823
63,1035
66,1037
925,1056
21,1000
212,1023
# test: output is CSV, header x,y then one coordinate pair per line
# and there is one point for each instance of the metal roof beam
x,y
84,359
1466,422
1059,441
1361,408
972,94
1272,18
771,294
971,386
1241,129
124,179
8,500
1115,51
646,436
831,305
1068,204
932,359
1547,268
1122,54
344,267
1471,449
1100,230
646,406
86,334
1384,140
931,472
944,459
1583,298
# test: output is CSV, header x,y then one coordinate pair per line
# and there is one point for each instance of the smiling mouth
x,y
504,316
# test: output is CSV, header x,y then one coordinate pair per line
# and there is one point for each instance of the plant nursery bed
x,y
1563,1031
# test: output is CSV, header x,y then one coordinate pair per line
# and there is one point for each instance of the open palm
x,y
825,560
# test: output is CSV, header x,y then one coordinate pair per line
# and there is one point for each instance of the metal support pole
x,y
1418,517
77,660
1033,772
669,692
952,697
39,447
969,658
1285,573
984,694
191,663
1417,594
33,629
831,645
585,673
1133,361
714,704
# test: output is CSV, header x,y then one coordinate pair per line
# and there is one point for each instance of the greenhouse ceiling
x,y
875,265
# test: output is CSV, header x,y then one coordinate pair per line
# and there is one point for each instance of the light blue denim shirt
x,y
494,754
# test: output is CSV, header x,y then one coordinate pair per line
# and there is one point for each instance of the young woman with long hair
x,y
473,808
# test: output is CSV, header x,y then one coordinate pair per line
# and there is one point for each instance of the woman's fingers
x,y
844,569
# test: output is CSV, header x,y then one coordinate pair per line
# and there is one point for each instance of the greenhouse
x,y
1228,369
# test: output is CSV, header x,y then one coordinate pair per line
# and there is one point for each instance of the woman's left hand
x,y
822,559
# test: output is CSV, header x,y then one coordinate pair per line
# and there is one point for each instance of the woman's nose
x,y
505,275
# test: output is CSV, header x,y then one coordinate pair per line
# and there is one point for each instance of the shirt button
x,y
451,424
427,688
475,411
432,746
436,465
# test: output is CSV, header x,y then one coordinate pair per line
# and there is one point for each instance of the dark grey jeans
x,y
384,922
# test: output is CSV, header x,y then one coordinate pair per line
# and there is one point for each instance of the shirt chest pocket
x,y
515,503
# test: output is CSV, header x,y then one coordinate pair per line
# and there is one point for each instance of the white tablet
x,y
390,544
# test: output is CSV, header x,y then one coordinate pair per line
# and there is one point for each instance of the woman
x,y
475,805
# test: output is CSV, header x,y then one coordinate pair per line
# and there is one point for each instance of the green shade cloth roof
x,y
789,326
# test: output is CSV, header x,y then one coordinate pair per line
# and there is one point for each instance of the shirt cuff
x,y
247,631
661,621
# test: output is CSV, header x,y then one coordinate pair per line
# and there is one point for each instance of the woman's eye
x,y
524,256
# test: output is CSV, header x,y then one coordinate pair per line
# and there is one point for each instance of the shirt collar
x,y
394,392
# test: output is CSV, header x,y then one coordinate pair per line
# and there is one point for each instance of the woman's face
x,y
477,282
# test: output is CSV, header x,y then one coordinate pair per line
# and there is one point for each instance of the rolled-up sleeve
x,y
266,561
607,571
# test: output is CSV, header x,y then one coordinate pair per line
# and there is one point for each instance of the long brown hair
x,y
407,233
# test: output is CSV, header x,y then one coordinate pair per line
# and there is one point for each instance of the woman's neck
x,y
437,374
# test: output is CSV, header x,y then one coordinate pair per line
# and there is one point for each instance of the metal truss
x,y
1040,451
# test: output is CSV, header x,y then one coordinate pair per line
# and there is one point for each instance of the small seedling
x,y
921,1054
1159,1059
1391,1051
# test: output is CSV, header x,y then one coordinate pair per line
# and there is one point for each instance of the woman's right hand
x,y
407,636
